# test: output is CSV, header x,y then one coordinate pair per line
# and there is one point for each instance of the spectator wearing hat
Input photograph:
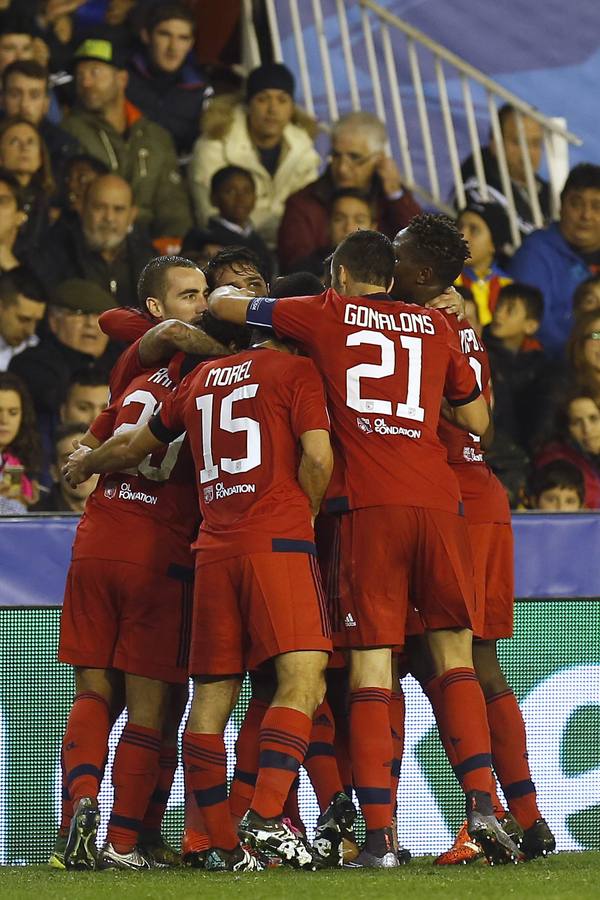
x,y
164,82
74,342
358,159
558,258
267,135
102,246
114,131
485,227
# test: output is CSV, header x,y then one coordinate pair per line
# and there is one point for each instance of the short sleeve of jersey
x,y
127,367
290,317
103,425
309,408
167,424
461,385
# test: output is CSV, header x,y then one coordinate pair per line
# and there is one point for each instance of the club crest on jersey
x,y
364,424
209,494
110,491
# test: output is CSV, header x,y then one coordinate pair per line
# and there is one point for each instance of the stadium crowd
x,y
138,187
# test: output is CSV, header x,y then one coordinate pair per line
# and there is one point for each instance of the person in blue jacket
x,y
558,258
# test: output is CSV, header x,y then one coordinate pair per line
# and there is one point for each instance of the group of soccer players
x,y
233,436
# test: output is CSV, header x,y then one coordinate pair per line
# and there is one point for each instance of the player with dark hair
x,y
386,368
144,526
258,592
239,267
487,512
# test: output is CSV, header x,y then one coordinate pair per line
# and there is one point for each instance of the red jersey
x,y
148,515
484,498
244,416
386,366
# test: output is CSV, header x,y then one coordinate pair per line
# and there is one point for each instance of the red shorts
x,y
391,553
492,548
118,615
248,609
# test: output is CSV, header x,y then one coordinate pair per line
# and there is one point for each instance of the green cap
x,y
101,50
79,295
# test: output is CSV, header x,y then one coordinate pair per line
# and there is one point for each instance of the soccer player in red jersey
x,y
386,366
259,432
489,524
133,523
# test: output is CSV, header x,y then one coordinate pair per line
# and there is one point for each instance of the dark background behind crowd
x,y
127,130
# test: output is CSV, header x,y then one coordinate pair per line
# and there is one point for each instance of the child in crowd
x,y
587,296
233,192
62,496
20,447
351,211
485,228
557,487
578,441
518,364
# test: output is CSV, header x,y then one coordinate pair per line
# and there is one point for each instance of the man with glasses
x,y
358,159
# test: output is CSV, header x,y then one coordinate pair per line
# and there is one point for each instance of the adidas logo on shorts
x,y
349,621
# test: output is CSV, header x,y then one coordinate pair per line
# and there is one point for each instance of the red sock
x,y
509,752
194,820
397,716
134,776
66,804
291,810
246,765
433,691
320,762
85,745
464,721
205,760
371,754
341,746
284,738
167,765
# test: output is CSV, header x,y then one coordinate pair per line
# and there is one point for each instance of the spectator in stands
x,y
16,38
351,210
587,296
74,342
485,227
578,441
25,95
24,154
233,193
520,368
103,246
20,448
110,128
534,139
200,245
163,81
358,160
80,170
557,487
584,353
22,307
86,397
62,496
558,258
268,136
12,218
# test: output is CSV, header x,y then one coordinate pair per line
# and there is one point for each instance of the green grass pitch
x,y
564,875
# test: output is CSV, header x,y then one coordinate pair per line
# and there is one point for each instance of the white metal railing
x,y
412,137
